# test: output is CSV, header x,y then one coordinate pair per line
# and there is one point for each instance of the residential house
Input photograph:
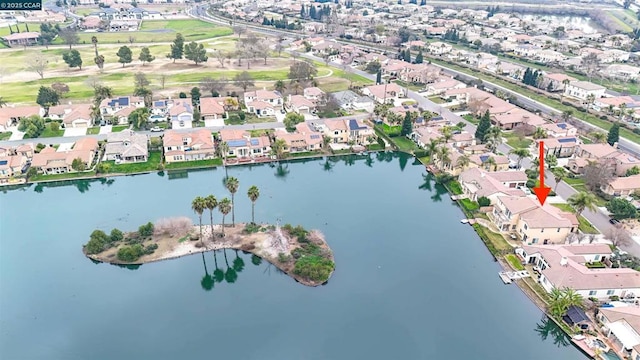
x,y
422,136
621,325
212,109
79,116
568,266
582,89
440,87
11,165
556,81
462,140
126,147
613,104
181,115
349,100
263,102
300,104
501,162
439,48
482,60
188,146
11,116
560,147
623,72
49,161
313,93
21,39
605,155
337,130
477,183
243,146
515,117
116,107
558,130
384,93
622,186
359,132
531,222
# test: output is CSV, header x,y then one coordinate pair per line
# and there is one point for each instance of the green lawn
x,y
437,100
5,135
304,154
472,119
495,242
515,142
194,164
84,12
159,31
404,144
65,176
469,205
391,130
50,133
93,130
514,262
374,147
585,226
589,118
118,128
622,19
155,159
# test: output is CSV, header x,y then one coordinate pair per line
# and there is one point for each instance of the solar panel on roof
x,y
236,143
3,162
484,158
315,136
567,140
124,101
562,126
255,142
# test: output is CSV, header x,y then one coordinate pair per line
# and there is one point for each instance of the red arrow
x,y
541,191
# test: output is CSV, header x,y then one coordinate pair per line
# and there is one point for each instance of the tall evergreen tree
x,y
407,56
177,48
303,13
312,11
614,134
483,126
379,77
419,58
407,125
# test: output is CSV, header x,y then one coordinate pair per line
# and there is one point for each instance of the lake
x,y
411,281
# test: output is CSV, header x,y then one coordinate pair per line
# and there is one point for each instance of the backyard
x,y
585,226
517,142
152,164
194,164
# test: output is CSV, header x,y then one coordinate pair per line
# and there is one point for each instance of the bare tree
x,y
93,82
37,63
263,50
279,48
140,80
244,80
220,56
69,36
239,30
619,236
213,85
163,80
131,39
596,174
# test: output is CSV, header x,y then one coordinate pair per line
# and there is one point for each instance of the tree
x,y
60,88
432,148
73,59
595,174
195,96
378,78
301,70
566,115
37,63
99,60
253,193
125,56
407,124
493,138
48,32
214,86
145,93
463,161
598,137
69,36
559,173
419,58
561,300
279,86
195,52
551,161
373,67
614,134
198,205
210,202
145,56
3,102
177,48
633,171
223,150
225,208
47,97
244,80
443,156
278,148
232,185
116,235
581,201
291,120
489,163
521,154
139,118
483,126
78,165
621,209
140,80
540,133
619,236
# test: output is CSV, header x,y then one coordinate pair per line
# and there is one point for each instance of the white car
x,y
156,129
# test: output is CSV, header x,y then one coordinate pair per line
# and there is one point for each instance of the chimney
x,y
564,261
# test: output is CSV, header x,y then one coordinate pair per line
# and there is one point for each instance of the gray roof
x,y
127,143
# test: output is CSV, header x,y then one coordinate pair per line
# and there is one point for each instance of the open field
x,y
158,31
626,20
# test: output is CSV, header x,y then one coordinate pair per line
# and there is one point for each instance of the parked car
x,y
614,221
156,129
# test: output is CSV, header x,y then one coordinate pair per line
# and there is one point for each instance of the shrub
x,y
420,153
614,298
314,268
94,246
182,95
116,235
251,228
283,258
130,253
298,232
531,183
242,115
484,201
149,249
146,230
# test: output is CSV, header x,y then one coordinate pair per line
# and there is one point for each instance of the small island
x,y
302,254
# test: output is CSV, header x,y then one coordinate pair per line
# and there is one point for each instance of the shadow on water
x,y
547,328
128,266
82,185
430,184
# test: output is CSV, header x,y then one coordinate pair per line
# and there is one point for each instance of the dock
x,y
508,277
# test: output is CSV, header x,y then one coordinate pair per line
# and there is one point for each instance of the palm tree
x,y
566,115
622,107
432,148
280,86
447,134
493,138
591,98
223,149
598,137
540,133
489,162
463,161
253,193
561,300
443,156
521,154
232,184
565,82
94,41
210,202
198,206
224,206
581,201
277,149
559,173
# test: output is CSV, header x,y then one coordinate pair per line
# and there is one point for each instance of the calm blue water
x,y
411,281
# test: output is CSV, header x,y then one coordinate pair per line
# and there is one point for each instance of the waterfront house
x,y
477,183
422,136
10,166
501,162
579,268
188,146
622,186
359,132
49,161
621,325
294,142
560,147
181,115
534,224
263,102
582,89
337,130
126,147
242,145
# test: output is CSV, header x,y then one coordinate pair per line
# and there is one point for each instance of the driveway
x,y
106,129
15,134
65,147
75,131
214,122
280,116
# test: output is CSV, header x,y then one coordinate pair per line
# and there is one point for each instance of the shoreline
x,y
280,248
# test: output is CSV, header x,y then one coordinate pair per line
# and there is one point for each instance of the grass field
x,y
155,159
5,135
625,20
64,176
515,142
158,31
193,164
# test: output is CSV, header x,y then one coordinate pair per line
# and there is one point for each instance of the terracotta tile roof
x,y
210,105
626,183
